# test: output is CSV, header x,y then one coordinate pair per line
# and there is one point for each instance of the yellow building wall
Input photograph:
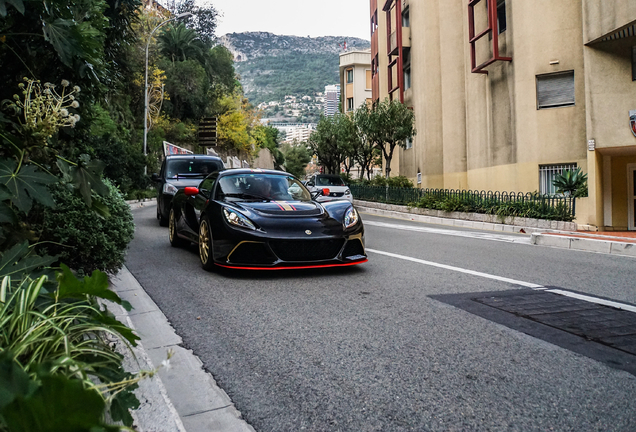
x,y
620,190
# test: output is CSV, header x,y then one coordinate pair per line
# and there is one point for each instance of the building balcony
x,y
406,41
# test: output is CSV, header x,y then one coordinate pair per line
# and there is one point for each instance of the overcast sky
x,y
295,17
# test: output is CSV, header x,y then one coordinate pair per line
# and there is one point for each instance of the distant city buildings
x,y
332,99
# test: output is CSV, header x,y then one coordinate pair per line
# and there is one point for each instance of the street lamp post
x,y
183,15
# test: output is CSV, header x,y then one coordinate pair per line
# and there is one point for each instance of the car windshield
x,y
259,186
329,181
192,168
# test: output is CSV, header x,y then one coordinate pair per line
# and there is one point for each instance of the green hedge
x,y
83,240
539,209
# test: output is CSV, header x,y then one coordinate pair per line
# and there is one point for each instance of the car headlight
x,y
348,192
351,218
237,219
170,189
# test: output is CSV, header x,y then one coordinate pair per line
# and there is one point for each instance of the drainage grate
x,y
600,332
607,325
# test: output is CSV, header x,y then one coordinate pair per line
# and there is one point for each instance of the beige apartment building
x,y
355,79
509,93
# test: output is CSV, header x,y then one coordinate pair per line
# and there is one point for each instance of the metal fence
x,y
412,196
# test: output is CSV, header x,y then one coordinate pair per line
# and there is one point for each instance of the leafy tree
x,y
349,141
237,123
366,153
296,159
325,143
81,41
187,84
386,125
203,20
268,137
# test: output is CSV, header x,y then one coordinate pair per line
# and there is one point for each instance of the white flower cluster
x,y
44,109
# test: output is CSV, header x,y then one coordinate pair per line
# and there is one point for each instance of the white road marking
x,y
536,287
469,234
596,300
457,269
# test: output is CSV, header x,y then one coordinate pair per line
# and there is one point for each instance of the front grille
x,y
307,250
353,249
251,253
336,194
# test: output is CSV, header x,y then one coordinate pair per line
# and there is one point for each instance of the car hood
x,y
295,219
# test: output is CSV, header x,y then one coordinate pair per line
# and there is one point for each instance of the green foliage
x,y
178,43
334,141
569,182
396,182
537,209
296,159
25,183
385,125
297,74
268,137
82,239
51,347
187,84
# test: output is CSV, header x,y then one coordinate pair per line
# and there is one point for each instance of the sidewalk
x,y
179,398
623,243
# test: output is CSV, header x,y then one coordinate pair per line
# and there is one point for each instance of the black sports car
x,y
262,219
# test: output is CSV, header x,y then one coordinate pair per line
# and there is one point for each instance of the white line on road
x,y
456,233
593,300
537,287
458,269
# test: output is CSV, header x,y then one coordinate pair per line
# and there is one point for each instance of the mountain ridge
x,y
247,45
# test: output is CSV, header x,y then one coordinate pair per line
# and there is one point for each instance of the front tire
x,y
206,254
163,221
175,240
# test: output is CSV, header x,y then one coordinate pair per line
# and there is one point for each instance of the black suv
x,y
179,171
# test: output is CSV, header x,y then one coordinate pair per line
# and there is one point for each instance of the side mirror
x,y
191,191
155,177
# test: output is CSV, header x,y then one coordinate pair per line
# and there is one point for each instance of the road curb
x,y
540,237
585,244
182,397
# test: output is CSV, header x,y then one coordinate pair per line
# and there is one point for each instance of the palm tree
x,y
179,43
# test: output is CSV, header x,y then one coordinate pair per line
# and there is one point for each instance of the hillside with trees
x,y
272,67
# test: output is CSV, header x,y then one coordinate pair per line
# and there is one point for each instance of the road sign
x,y
207,132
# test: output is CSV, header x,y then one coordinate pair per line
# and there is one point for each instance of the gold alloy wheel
x,y
204,242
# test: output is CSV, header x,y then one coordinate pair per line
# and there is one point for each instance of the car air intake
x,y
251,253
307,250
353,249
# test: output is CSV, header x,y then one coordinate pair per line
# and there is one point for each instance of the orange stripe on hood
x,y
285,205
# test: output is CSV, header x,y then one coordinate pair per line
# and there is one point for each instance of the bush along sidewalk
x,y
57,370
529,205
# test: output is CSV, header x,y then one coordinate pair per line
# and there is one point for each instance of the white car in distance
x,y
338,190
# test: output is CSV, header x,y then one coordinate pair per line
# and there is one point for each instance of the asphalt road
x,y
367,349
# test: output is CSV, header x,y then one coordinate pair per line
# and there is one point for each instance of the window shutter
x,y
555,90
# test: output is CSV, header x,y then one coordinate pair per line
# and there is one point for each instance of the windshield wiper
x,y
246,195
189,175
